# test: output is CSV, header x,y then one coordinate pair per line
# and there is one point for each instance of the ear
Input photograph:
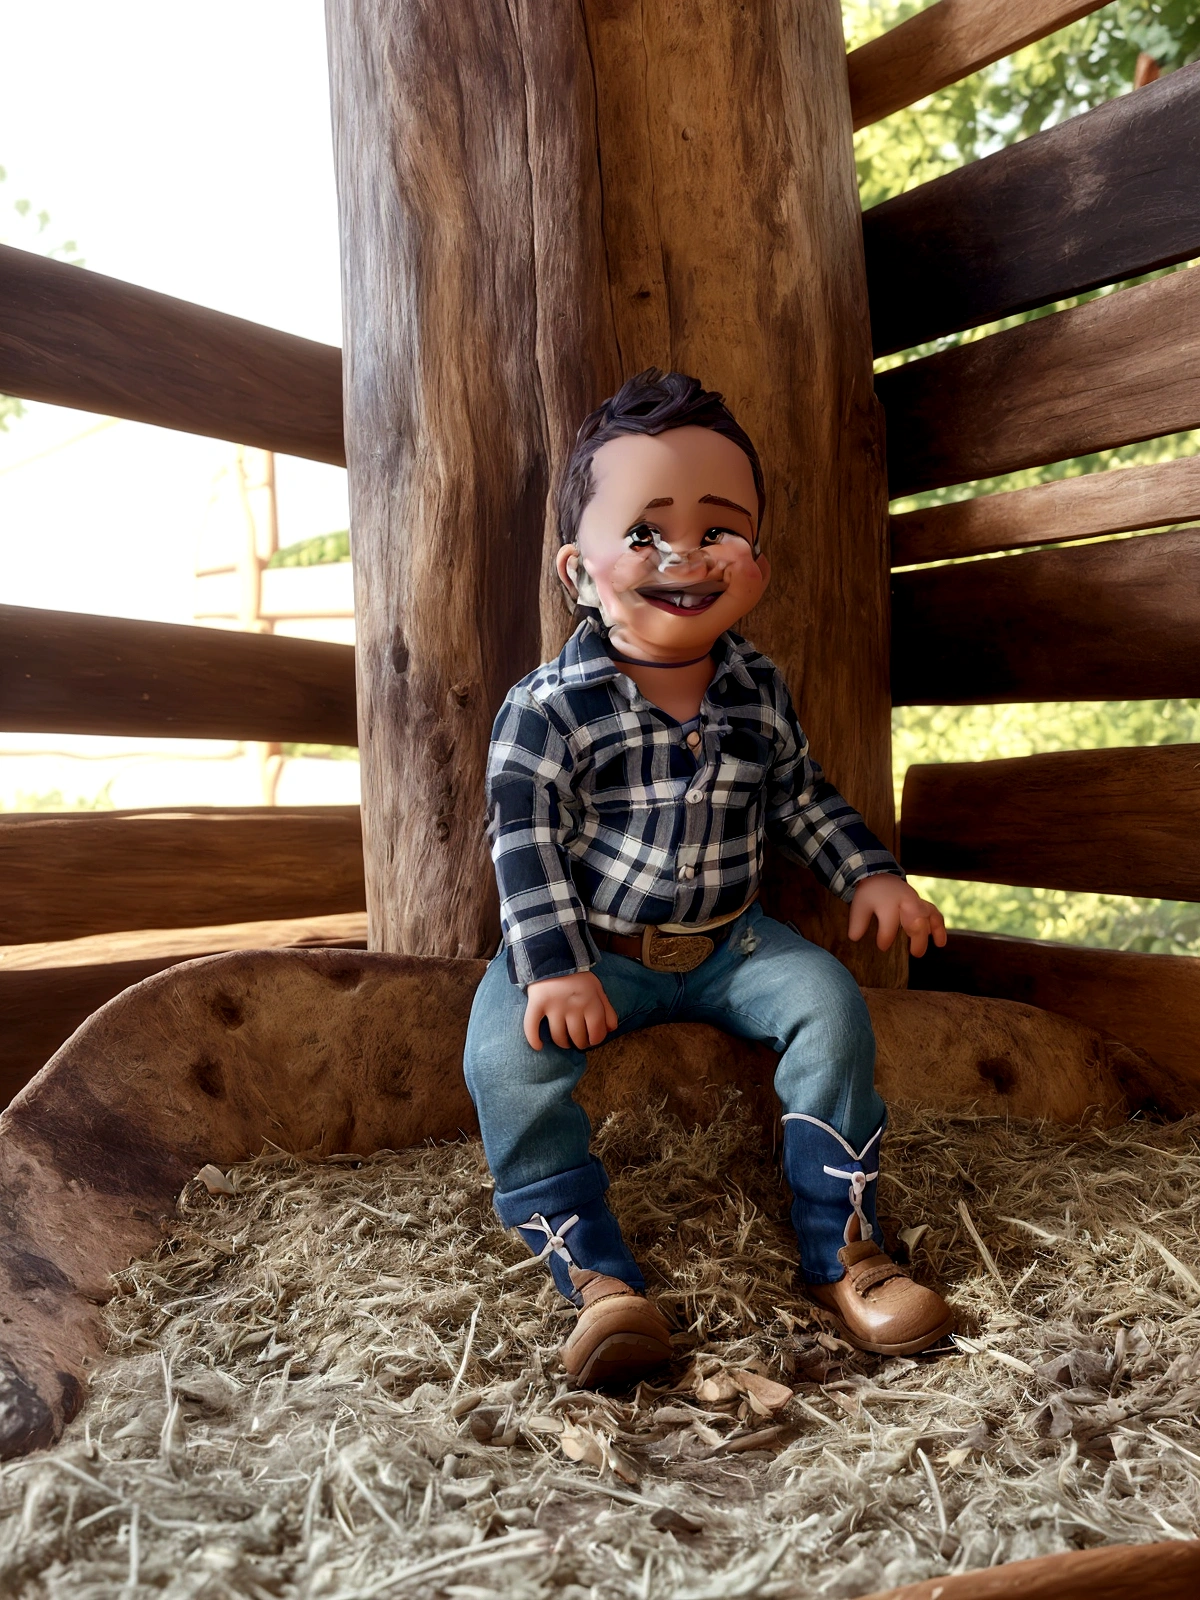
x,y
764,566
563,563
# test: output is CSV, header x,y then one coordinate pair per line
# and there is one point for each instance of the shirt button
x,y
693,740
693,797
687,873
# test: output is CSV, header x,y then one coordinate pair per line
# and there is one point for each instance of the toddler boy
x,y
631,783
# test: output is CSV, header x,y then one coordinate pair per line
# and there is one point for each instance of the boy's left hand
x,y
895,904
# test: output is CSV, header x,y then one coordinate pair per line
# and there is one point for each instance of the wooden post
x,y
536,200
733,236
469,347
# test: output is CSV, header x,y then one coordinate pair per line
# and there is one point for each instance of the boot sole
x,y
622,1358
910,1347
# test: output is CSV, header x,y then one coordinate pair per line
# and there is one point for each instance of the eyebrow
x,y
720,500
652,505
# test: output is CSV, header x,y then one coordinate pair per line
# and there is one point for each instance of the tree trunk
x,y
732,233
460,169
537,200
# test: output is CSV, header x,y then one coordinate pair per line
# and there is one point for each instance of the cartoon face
x,y
667,546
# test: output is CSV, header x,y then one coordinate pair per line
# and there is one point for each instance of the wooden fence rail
x,y
1102,197
66,875
1118,501
944,43
63,672
1121,368
1117,821
1112,621
74,338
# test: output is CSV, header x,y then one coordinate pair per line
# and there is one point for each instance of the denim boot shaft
x,y
833,1188
566,1220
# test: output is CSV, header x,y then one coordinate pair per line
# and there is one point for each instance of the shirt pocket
x,y
741,778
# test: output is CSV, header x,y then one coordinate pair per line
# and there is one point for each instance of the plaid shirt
x,y
599,811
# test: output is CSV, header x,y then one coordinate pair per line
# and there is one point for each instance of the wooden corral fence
x,y
1103,198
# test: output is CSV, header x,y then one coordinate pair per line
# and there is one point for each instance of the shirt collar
x,y
585,658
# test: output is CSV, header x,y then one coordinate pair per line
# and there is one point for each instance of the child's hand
x,y
895,904
576,1007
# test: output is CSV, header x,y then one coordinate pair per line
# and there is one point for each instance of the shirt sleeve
x,y
811,822
529,801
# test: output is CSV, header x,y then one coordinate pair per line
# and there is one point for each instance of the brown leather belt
x,y
670,952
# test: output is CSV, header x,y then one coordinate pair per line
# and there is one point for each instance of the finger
x,y
533,1024
889,922
860,917
610,1013
918,939
577,1027
596,1022
557,1021
937,923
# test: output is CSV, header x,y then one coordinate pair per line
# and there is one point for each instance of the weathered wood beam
x,y
944,43
1149,1002
734,245
1166,1571
74,338
66,672
1123,367
1101,197
1112,621
475,311
65,875
1096,503
1120,821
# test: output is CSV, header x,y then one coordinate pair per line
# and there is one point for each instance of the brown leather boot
x,y
878,1307
620,1335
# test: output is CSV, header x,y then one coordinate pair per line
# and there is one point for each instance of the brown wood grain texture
x,y
734,250
944,43
1117,821
1118,620
475,313
66,672
1122,367
1099,198
66,875
1166,1571
74,338
40,1007
1148,1001
1118,501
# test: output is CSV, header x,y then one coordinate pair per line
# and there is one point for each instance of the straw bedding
x,y
330,1384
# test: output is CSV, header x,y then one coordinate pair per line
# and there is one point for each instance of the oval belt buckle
x,y
674,952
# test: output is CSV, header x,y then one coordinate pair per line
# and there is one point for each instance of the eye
x,y
715,535
640,537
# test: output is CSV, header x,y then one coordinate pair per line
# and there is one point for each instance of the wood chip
x,y
214,1180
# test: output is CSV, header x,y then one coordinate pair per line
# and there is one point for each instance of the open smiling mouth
x,y
683,602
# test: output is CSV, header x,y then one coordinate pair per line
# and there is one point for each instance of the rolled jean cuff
x,y
564,1191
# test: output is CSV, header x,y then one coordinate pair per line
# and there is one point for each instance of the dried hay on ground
x,y
331,1384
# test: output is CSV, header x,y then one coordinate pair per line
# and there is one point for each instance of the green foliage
x,y
54,800
1075,69
324,549
320,752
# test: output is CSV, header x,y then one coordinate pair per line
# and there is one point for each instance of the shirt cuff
x,y
556,952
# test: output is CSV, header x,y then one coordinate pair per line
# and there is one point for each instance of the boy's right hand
x,y
576,1007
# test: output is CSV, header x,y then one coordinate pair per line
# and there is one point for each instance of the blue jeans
x,y
765,982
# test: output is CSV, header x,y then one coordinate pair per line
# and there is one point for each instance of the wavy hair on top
x,y
652,402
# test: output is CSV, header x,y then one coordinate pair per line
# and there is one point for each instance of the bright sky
x,y
185,147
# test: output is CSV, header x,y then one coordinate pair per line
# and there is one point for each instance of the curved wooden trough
x,y
324,1051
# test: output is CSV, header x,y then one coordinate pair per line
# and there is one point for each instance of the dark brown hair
x,y
652,402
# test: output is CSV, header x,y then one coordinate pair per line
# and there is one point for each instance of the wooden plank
x,y
944,43
40,1007
66,875
1118,501
1101,197
1111,621
181,944
75,338
65,672
1121,821
1121,368
1149,1002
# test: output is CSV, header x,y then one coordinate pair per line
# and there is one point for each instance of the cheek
x,y
624,571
